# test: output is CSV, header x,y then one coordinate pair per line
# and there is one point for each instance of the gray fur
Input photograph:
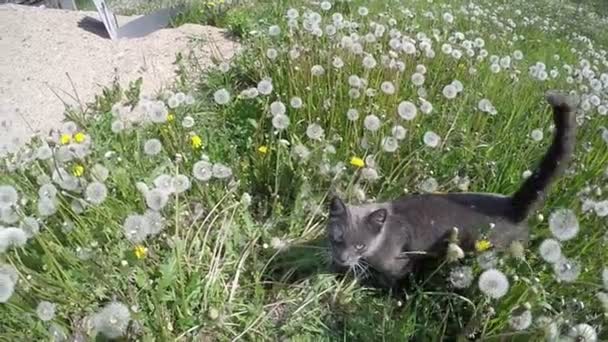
x,y
391,236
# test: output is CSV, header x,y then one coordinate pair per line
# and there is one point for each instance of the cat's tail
x,y
555,160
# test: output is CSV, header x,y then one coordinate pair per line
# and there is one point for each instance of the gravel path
x,y
39,48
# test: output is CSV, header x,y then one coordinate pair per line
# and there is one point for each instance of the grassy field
x,y
199,215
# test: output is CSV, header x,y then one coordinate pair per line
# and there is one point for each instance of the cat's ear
x,y
376,219
336,207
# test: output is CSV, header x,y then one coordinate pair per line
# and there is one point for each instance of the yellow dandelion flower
x,y
65,139
78,170
140,251
196,141
263,149
170,118
356,161
482,245
79,137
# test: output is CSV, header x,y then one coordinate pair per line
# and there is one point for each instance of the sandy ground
x,y
49,52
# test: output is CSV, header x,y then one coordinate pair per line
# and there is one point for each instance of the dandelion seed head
x,y
44,152
390,144
521,321
156,199
96,193
47,206
426,107
369,174
458,85
277,108
487,260
461,277
431,139
536,135
315,132
369,62
164,183
155,222
407,110
280,122
8,196
493,283
317,70
417,79
202,170
221,96
173,102
188,122
352,114
295,102
30,226
7,287
605,277
371,122
563,224
399,132
117,126
450,91
274,31
157,112
136,228
12,237
46,310
566,270
387,87
550,250
221,171
152,147
583,333
272,54
181,183
112,320
301,152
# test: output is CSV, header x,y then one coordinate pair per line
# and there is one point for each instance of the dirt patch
x,y
49,52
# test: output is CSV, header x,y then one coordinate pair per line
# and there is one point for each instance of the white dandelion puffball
x,y
202,170
180,183
583,333
7,287
450,91
407,110
221,96
113,320
317,70
96,192
521,321
399,132
295,102
315,132
536,135
280,122
152,147
428,185
431,139
274,30
390,144
8,196
605,277
136,228
272,53
458,85
156,199
352,114
173,102
371,123
277,108
12,237
369,174
461,277
426,107
566,270
301,151
100,173
155,222
46,310
326,5
30,226
164,183
387,88
47,206
417,79
487,260
117,126
563,224
44,152
493,283
550,250
157,112
221,171
265,87
188,122
369,62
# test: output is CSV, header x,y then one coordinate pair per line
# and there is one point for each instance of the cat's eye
x,y
359,247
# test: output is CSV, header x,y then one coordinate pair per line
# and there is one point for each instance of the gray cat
x,y
389,237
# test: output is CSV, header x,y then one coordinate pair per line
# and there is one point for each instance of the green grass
x,y
245,258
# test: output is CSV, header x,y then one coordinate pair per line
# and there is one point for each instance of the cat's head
x,y
354,232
